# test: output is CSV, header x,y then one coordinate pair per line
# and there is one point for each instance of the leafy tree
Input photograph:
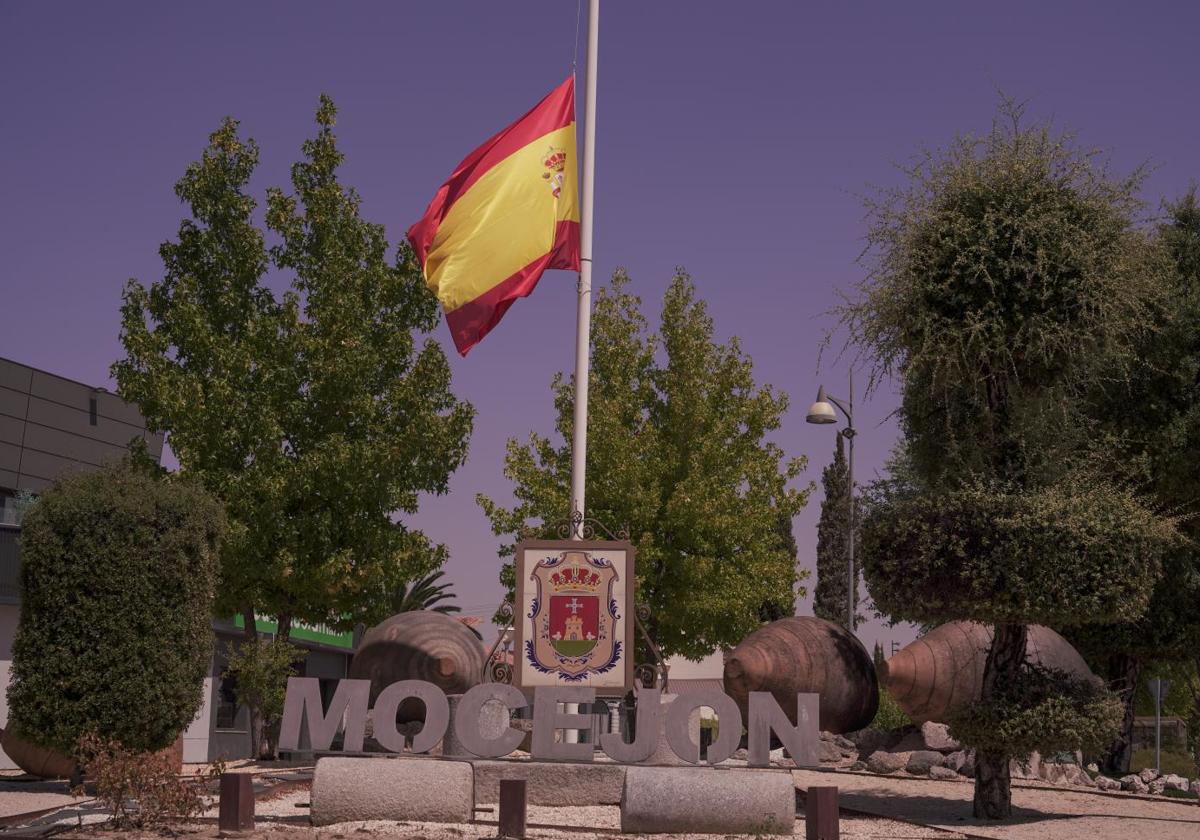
x,y
425,594
1007,279
259,671
114,638
678,453
314,416
1150,433
829,599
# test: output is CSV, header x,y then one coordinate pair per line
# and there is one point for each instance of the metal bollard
x,y
512,808
236,810
821,819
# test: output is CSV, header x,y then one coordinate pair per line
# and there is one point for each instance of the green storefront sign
x,y
318,633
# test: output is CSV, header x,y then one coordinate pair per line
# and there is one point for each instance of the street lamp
x,y
822,413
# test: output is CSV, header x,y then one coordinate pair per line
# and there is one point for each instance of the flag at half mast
x,y
508,213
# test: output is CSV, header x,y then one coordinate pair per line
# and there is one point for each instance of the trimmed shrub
x,y
115,636
1044,709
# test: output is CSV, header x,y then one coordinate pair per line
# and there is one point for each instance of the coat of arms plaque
x,y
574,623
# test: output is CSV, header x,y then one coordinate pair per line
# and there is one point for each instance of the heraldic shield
x,y
574,615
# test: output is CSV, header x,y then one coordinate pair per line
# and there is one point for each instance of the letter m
x,y
347,709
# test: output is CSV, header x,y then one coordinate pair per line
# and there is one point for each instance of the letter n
x,y
800,740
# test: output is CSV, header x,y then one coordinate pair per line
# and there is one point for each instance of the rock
x,y
1105,783
955,761
396,789
1148,775
868,741
707,801
845,744
552,783
1158,786
942,774
829,753
920,762
937,737
1093,768
858,766
1133,784
887,762
1174,782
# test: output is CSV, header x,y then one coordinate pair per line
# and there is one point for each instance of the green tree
x,y
1007,278
829,598
114,638
1149,431
314,416
259,671
678,453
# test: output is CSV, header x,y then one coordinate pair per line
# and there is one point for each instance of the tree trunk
x,y
1124,672
993,784
250,637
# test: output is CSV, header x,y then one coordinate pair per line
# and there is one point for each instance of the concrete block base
x,y
401,789
695,800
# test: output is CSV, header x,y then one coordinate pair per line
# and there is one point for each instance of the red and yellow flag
x,y
508,213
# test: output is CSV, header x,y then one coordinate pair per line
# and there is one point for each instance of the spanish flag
x,y
508,213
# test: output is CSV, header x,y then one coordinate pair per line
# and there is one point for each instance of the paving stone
x,y
695,800
400,789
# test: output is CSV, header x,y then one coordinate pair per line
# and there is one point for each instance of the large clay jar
x,y
806,655
942,672
419,645
46,763
34,759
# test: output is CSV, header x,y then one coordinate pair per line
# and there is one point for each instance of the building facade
x,y
51,426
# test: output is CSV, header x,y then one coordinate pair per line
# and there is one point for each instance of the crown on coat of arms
x,y
575,577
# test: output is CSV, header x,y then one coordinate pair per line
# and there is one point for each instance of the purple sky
x,y
734,139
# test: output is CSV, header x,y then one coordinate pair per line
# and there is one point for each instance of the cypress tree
x,y
829,599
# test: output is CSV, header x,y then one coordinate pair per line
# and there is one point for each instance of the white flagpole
x,y
583,322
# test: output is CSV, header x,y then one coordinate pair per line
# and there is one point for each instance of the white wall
x,y
8,629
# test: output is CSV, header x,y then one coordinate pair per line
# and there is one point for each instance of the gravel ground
x,y
1039,814
19,797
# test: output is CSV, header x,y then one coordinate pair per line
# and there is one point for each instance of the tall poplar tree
x,y
829,598
315,416
1008,278
678,452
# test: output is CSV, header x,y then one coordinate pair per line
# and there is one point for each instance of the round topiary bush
x,y
115,636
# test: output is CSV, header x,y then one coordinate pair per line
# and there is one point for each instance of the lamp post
x,y
822,413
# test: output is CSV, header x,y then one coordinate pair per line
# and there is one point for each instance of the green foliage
x,y
115,637
1172,761
833,529
677,452
1007,278
314,416
1041,709
425,594
890,716
260,670
1066,554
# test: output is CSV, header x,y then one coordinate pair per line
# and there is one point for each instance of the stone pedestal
x,y
676,800
399,789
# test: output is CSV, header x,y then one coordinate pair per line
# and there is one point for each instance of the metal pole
x,y
583,320
1158,725
583,317
850,574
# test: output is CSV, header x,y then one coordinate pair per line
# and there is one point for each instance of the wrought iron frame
x,y
646,674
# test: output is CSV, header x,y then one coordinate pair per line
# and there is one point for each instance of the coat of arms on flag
x,y
574,600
